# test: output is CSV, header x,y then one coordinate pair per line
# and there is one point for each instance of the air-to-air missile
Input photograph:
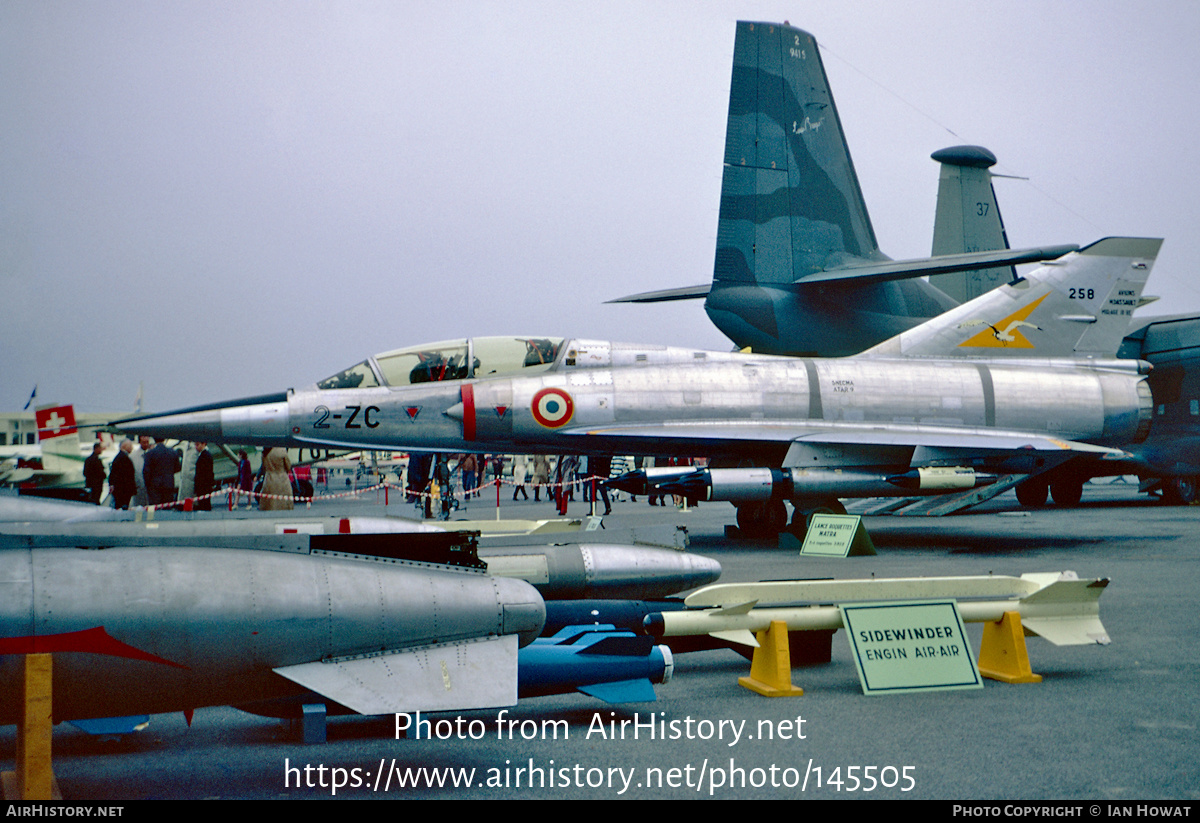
x,y
562,571
1057,606
1017,381
145,630
763,484
807,647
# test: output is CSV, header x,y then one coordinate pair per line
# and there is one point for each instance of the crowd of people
x,y
143,475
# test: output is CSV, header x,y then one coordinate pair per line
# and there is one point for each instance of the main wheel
x,y
1180,490
1032,493
1067,491
757,520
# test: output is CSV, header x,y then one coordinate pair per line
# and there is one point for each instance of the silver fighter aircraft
x,y
1015,381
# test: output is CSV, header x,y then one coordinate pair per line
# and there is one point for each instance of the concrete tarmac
x,y
1115,722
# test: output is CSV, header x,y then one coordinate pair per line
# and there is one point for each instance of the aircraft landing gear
x,y
1180,490
1067,491
761,520
1032,492
805,509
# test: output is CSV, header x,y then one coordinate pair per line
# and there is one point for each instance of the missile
x,y
602,570
147,630
624,614
602,661
1059,607
643,480
807,647
747,485
612,664
563,571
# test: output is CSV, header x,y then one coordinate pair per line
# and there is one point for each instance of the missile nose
x,y
645,572
261,420
632,482
523,607
654,625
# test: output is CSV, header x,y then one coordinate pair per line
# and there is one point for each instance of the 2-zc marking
x,y
354,410
350,424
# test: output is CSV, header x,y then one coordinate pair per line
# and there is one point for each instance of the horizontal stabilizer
x,y
878,271
665,295
870,272
468,674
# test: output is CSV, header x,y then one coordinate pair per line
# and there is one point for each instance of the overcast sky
x,y
224,199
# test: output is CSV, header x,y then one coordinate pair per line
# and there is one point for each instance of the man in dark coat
x,y
601,468
93,474
159,470
204,478
122,481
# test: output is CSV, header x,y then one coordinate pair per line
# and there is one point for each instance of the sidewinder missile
x,y
146,630
807,647
1060,607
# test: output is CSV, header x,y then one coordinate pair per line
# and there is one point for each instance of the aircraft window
x,y
355,377
507,355
429,364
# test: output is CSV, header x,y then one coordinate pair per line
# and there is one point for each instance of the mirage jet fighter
x,y
934,409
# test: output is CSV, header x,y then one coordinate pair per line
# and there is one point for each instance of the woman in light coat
x,y
276,481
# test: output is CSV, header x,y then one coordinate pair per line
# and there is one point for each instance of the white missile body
x,y
1059,607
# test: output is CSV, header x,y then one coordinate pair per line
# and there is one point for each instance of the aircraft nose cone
x,y
523,607
259,420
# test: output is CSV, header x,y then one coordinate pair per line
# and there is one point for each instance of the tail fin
x,y
968,220
59,438
790,199
1077,306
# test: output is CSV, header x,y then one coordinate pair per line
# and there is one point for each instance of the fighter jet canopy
x,y
449,360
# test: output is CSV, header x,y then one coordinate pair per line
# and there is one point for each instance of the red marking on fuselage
x,y
93,641
468,421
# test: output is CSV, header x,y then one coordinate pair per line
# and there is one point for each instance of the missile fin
x,y
743,637
736,608
466,674
623,691
1082,628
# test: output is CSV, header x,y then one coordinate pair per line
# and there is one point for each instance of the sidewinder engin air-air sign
x,y
910,647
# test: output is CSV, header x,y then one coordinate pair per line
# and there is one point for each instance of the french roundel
x,y
552,408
